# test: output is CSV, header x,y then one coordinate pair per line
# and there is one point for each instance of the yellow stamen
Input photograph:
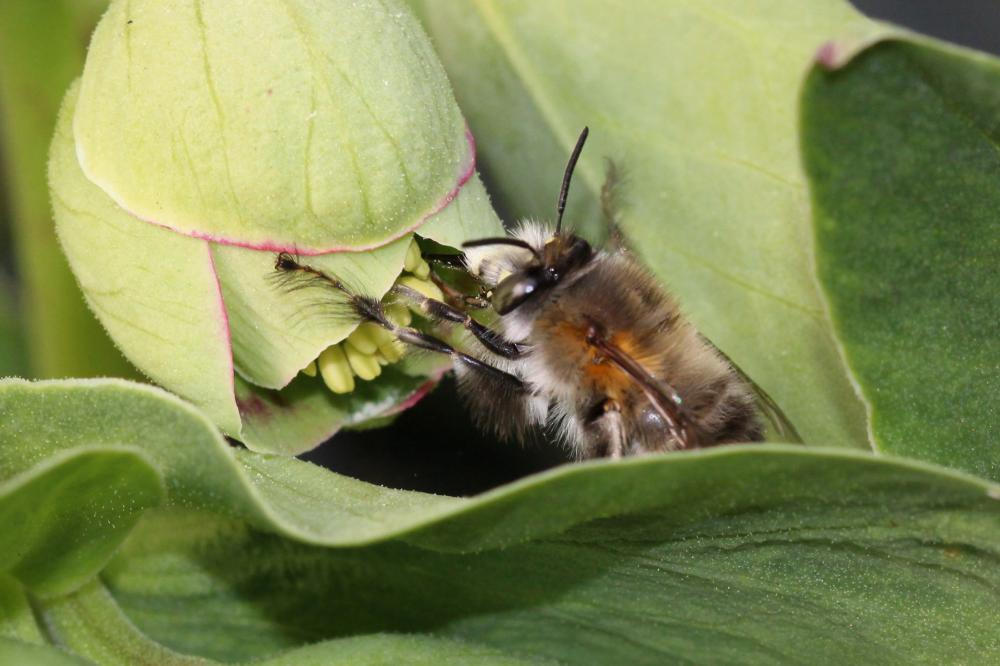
x,y
399,314
364,365
377,333
309,370
422,270
392,350
413,258
425,287
363,339
336,370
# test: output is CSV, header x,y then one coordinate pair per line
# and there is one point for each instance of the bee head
x,y
561,256
549,262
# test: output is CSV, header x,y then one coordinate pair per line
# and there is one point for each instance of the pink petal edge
x,y
274,246
223,320
829,55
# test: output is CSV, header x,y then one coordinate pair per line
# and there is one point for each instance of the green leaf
x,y
729,556
92,624
40,54
413,650
17,620
698,103
901,150
200,469
16,652
748,553
342,134
64,517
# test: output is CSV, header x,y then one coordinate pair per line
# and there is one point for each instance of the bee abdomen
x,y
731,417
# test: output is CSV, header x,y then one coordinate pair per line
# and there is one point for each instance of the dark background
x,y
434,448
974,23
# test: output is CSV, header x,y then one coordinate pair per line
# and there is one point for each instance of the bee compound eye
x,y
579,252
513,291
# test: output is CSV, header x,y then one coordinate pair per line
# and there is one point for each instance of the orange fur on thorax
x,y
602,376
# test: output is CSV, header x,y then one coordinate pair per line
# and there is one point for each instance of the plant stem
x,y
41,52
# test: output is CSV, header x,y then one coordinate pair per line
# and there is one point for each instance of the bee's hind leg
x,y
435,309
604,431
500,400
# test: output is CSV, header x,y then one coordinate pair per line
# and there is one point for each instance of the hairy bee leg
x,y
436,309
412,336
499,400
607,430
505,395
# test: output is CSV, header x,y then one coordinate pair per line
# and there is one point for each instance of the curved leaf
x,y
17,620
901,150
749,553
698,103
378,649
92,624
64,517
16,652
897,568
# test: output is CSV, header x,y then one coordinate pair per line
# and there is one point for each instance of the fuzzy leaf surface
x,y
901,150
65,516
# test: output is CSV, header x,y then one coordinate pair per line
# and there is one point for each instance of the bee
x,y
585,344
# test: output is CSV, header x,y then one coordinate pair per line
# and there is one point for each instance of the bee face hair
x,y
586,345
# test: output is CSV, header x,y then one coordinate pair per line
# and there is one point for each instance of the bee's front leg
x,y
439,310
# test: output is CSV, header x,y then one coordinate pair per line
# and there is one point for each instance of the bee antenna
x,y
567,176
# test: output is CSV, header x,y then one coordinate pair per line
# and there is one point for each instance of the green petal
x,y
277,331
154,291
341,133
306,413
469,216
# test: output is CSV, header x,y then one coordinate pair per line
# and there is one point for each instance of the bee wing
x,y
663,396
783,427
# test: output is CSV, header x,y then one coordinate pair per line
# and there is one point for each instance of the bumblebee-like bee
x,y
585,344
